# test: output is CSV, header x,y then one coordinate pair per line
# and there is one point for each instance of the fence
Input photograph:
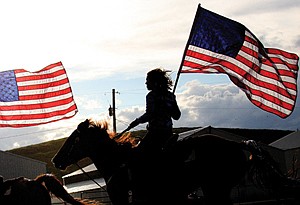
x,y
97,195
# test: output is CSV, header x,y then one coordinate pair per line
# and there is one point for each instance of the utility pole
x,y
114,110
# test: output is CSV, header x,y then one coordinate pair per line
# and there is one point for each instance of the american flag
x,y
34,98
268,76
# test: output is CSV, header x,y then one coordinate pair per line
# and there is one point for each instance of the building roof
x,y
290,141
5,153
84,185
265,136
88,168
211,130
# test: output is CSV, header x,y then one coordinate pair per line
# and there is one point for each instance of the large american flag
x,y
268,76
33,98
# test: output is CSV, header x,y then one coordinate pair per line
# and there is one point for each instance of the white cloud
x,y
226,106
16,145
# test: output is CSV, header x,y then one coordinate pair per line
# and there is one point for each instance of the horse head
x,y
82,143
92,139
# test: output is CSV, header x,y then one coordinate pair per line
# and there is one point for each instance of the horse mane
x,y
125,138
101,125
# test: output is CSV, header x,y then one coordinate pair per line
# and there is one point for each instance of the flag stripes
x,y
44,96
268,76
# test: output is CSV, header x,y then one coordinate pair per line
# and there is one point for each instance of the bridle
x,y
76,163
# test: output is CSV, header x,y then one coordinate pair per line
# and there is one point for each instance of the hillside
x,y
45,151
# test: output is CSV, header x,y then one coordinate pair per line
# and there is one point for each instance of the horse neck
x,y
106,162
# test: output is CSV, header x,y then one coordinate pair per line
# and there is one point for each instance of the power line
x,y
37,132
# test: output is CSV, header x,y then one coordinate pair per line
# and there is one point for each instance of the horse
x,y
210,162
23,191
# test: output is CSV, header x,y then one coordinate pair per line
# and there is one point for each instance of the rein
x,y
84,172
101,187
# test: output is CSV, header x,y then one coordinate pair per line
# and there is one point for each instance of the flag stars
x,y
8,87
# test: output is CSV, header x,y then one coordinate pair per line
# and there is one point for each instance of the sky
x,y
107,45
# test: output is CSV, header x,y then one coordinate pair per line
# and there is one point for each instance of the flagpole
x,y
186,48
180,68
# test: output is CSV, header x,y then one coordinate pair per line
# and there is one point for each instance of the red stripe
x,y
45,95
41,77
43,86
36,106
34,124
39,116
269,109
49,67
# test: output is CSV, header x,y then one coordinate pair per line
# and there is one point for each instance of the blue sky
x,y
113,44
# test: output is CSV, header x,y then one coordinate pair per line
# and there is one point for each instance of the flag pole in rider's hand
x,y
184,53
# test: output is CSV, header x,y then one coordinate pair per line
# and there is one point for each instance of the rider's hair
x,y
161,78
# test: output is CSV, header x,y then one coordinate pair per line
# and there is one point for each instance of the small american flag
x,y
33,98
220,45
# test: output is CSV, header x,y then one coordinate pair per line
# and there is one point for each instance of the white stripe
x,y
42,81
38,121
39,101
283,58
189,69
289,79
44,90
37,111
52,70
285,67
270,104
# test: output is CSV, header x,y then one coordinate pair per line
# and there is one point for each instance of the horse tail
x,y
54,186
263,170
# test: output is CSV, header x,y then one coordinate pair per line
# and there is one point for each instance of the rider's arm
x,y
147,115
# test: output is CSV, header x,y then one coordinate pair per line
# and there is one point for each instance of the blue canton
x,y
217,33
8,87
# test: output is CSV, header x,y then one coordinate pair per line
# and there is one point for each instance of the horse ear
x,y
83,125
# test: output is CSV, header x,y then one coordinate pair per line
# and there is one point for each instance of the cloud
x,y
221,105
226,106
266,6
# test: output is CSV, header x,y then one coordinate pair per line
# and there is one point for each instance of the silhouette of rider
x,y
161,108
